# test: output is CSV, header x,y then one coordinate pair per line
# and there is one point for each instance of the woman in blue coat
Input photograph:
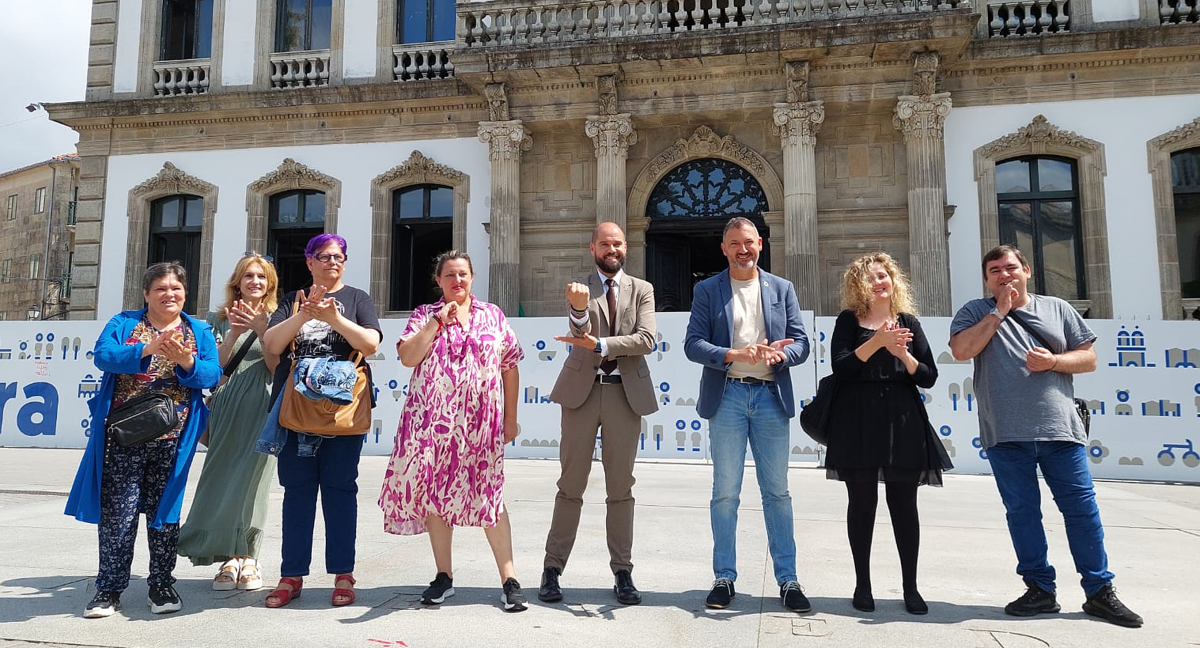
x,y
156,349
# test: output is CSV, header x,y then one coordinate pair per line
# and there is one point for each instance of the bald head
x,y
608,248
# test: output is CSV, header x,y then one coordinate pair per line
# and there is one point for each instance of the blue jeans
x,y
333,472
751,413
274,436
1064,467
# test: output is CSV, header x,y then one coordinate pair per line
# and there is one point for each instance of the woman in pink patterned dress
x,y
447,467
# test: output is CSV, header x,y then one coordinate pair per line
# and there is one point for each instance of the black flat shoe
x,y
863,601
914,603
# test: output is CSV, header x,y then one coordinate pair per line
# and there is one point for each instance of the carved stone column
x,y
797,124
505,140
612,135
922,119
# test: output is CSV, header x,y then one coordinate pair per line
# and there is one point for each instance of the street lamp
x,y
33,313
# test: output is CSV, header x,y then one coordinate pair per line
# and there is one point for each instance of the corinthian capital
x,y
505,139
799,122
925,114
611,134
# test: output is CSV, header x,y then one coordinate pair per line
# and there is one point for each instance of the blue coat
x,y
113,356
710,334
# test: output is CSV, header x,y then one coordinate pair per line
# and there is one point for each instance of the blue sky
x,y
44,48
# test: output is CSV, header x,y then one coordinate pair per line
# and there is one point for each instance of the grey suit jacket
x,y
636,328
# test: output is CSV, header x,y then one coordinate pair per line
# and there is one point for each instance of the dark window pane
x,y
314,207
412,203
204,20
414,21
193,212
1185,170
1187,237
441,202
1012,177
443,20
1016,226
1059,264
286,209
168,214
176,16
1054,175
322,19
293,21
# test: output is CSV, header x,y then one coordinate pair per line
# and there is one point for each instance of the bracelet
x,y
439,323
578,311
1055,362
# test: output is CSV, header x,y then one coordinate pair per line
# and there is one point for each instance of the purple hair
x,y
321,240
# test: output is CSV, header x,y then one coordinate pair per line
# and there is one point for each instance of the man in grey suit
x,y
745,330
604,383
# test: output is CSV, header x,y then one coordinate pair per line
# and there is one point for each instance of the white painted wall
x,y
1115,10
237,49
355,165
359,39
1123,126
129,37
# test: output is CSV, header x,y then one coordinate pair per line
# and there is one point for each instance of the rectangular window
x,y
35,265
11,213
187,29
423,21
1185,184
303,25
5,270
1038,201
39,200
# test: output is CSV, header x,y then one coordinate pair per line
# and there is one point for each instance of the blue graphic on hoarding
x,y
1177,358
89,387
543,354
1124,408
1131,349
964,393
45,409
1190,457
682,436
533,396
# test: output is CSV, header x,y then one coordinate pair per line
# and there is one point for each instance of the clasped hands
x,y
577,296
894,338
169,344
244,317
768,352
315,305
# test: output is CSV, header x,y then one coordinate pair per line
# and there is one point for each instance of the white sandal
x,y
250,577
227,576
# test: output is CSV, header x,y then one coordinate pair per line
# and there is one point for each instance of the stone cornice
x,y
294,174
1188,134
705,143
172,180
1036,137
419,169
1026,65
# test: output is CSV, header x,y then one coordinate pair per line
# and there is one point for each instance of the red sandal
x,y
345,593
284,596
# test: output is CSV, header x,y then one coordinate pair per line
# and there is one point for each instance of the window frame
x,y
35,265
192,235
424,221
306,39
430,18
39,200
6,271
1159,151
11,210
195,24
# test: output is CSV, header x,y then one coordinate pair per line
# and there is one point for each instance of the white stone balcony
x,y
1174,12
420,61
521,22
187,77
304,69
1023,18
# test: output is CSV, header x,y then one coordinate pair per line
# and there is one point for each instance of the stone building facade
x,y
37,239
840,126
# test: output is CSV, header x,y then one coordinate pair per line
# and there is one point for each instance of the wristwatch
x,y
598,348
996,311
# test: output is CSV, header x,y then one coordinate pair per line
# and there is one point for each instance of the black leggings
x,y
860,527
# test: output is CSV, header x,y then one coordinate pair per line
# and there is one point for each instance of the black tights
x,y
860,527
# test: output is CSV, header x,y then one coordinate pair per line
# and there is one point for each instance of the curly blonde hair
x,y
856,285
233,287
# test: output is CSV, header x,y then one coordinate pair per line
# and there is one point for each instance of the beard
x,y
611,264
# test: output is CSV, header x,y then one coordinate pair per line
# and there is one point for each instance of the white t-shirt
x,y
748,327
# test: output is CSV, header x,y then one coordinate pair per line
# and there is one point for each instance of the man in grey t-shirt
x,y
1027,421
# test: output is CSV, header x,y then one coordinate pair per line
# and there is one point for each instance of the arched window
x,y
687,210
422,228
186,29
294,217
1185,187
424,21
176,223
1038,200
303,25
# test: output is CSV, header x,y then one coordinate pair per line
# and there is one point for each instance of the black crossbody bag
x,y
1081,406
141,420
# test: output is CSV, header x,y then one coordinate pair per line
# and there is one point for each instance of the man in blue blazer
x,y
745,330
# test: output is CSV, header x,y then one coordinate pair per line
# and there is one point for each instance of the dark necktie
x,y
608,365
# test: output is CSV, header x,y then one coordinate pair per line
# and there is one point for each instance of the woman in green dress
x,y
228,515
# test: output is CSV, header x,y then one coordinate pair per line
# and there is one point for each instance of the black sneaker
x,y
1034,601
720,595
513,598
550,592
793,598
440,589
103,604
1107,606
164,599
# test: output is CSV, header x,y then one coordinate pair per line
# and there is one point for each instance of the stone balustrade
x,y
1014,18
521,22
1174,12
188,77
305,69
421,61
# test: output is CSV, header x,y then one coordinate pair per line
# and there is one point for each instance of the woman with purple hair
x,y
331,320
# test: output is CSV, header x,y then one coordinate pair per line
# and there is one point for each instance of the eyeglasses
x,y
252,254
326,258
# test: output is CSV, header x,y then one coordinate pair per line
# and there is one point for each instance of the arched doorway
x,y
686,211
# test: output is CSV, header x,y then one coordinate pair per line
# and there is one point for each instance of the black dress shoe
x,y
550,592
626,593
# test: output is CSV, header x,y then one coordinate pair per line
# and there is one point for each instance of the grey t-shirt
x,y
1016,404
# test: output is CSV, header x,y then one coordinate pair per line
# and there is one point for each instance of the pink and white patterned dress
x,y
449,455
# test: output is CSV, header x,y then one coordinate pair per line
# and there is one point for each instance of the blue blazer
x,y
710,334
113,356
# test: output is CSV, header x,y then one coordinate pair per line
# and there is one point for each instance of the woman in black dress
x,y
878,426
